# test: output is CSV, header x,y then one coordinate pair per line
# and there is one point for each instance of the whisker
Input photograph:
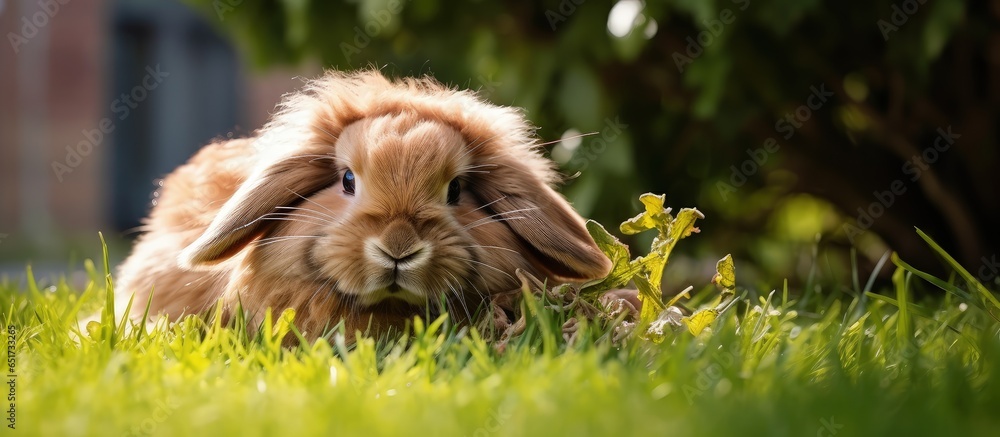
x,y
481,144
567,138
272,240
533,208
320,288
287,215
502,219
480,166
333,290
470,283
485,284
484,206
487,266
474,168
316,157
491,247
311,201
321,214
281,237
458,296
321,129
287,219
501,214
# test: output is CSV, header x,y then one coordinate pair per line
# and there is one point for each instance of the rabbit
x,y
365,200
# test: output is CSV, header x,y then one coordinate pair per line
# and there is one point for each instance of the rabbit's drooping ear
x,y
242,218
559,243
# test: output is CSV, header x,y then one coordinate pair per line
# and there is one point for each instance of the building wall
x,y
50,89
56,86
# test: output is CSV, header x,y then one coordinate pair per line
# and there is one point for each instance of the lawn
x,y
783,362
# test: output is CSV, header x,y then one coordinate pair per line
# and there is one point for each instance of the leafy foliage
x,y
686,102
646,271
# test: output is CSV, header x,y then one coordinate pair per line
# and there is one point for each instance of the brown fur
x,y
265,221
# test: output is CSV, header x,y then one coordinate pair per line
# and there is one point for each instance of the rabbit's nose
x,y
402,261
398,247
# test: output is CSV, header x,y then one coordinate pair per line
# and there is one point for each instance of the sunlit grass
x,y
772,365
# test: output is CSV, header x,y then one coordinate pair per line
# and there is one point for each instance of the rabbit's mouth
x,y
393,293
400,310
394,307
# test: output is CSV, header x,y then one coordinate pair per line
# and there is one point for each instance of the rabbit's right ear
x,y
243,218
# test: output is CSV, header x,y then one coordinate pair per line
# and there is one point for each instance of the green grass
x,y
841,363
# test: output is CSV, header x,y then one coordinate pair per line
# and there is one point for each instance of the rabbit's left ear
x,y
555,234
243,217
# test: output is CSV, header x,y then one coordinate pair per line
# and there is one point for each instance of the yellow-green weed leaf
x,y
700,320
654,217
647,271
683,225
671,231
652,300
726,273
619,254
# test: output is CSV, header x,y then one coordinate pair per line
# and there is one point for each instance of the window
x,y
195,101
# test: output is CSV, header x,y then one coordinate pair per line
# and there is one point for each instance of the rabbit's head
x,y
400,192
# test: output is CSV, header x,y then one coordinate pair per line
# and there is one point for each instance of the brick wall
x,y
56,86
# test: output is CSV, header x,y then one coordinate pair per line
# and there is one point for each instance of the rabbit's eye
x,y
349,182
454,189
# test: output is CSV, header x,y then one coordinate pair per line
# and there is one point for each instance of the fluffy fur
x,y
266,221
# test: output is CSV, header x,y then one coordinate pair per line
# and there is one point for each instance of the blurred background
x,y
813,134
